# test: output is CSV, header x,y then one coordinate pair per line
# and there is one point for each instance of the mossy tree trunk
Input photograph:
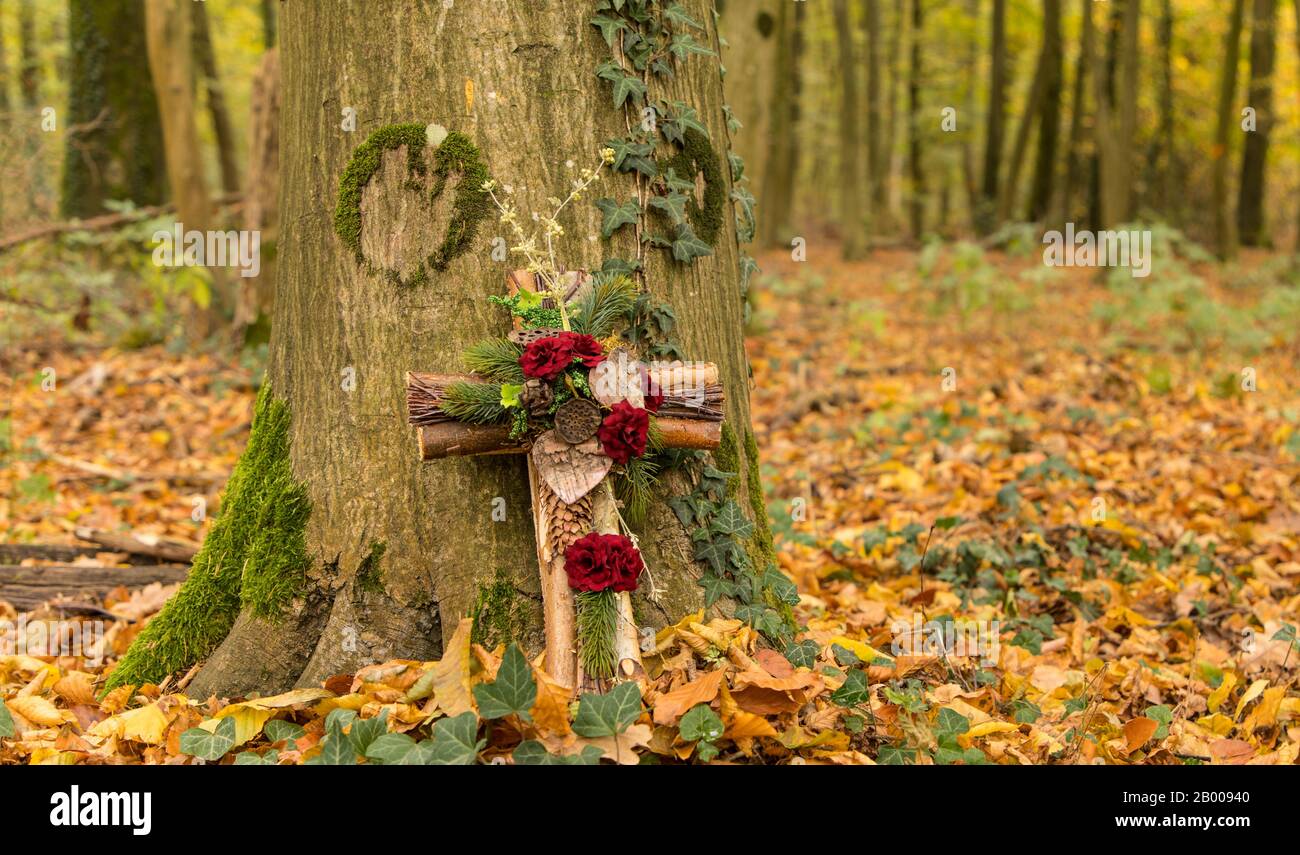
x,y
394,552
1251,228
114,142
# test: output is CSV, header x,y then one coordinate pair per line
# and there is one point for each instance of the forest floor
x,y
1090,490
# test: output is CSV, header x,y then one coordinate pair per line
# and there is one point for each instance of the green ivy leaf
x,y
677,15
616,216
533,753
389,748
856,690
950,724
700,724
896,755
632,156
686,244
366,731
673,204
802,654
608,715
278,729
198,742
628,86
456,742
716,587
513,691
6,721
731,520
609,27
715,550
252,758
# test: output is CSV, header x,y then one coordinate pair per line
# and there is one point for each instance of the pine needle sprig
x,y
634,487
604,306
496,359
597,625
477,403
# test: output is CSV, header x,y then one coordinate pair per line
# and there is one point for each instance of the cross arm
x,y
698,426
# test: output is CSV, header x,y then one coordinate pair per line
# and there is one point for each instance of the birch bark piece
x,y
616,379
571,471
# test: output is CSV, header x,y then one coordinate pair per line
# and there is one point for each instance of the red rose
x,y
622,435
586,348
546,358
599,562
653,394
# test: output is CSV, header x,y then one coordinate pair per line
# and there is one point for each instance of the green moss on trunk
x,y
255,557
762,539
497,616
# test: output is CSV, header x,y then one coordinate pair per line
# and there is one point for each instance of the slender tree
x,y
853,223
114,147
29,76
1075,155
4,74
1164,155
995,118
223,129
916,191
335,546
1225,238
877,165
750,57
781,163
1117,116
1049,113
169,39
1254,160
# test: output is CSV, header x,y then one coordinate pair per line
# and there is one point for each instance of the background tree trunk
x,y
851,191
781,163
1254,159
916,184
1164,163
1075,155
256,297
222,128
1117,116
1049,127
1225,238
750,57
168,32
114,133
29,74
398,551
877,166
995,119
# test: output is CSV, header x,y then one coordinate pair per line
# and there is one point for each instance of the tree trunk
x,y
114,147
4,80
782,161
268,24
750,57
877,166
169,37
1020,146
850,190
1254,160
916,189
340,546
1164,161
256,296
1297,50
1225,238
1074,158
1049,128
29,74
1117,118
222,129
995,121
891,155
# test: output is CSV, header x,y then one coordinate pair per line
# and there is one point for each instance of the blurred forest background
x,y
877,123
1108,465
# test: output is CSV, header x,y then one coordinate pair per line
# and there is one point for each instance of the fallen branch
x,y
151,545
103,222
28,587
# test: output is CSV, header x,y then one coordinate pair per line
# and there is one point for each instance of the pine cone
x,y
564,523
537,397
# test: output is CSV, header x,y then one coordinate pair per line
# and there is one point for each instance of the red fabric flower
x,y
623,433
586,348
653,394
599,562
547,358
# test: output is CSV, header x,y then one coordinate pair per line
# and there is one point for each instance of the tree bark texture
x,y
1225,238
1251,228
518,80
851,191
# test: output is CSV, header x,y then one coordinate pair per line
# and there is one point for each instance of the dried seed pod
x,y
576,420
537,396
527,337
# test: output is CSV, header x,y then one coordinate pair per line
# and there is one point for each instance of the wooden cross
x,y
689,417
